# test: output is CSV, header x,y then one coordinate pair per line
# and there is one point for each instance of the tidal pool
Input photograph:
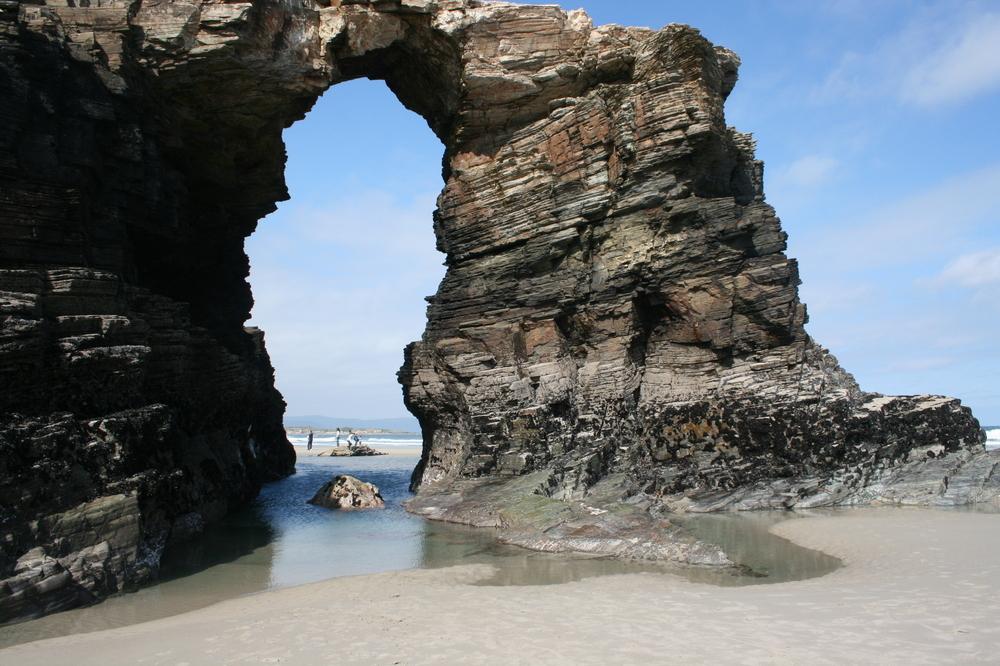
x,y
280,541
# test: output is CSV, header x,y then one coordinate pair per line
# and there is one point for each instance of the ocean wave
x,y
993,439
301,440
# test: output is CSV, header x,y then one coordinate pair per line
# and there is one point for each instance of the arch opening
x,y
340,272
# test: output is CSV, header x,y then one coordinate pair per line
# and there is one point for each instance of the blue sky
x,y
878,125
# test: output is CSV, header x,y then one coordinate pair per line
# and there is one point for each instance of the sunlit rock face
x,y
348,493
617,312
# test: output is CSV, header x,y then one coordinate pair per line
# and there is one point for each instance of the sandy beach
x,y
413,451
919,587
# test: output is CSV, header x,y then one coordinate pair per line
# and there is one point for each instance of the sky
x,y
879,126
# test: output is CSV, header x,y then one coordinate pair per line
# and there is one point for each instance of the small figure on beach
x,y
353,440
338,438
309,444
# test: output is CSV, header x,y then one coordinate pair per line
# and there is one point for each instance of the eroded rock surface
x,y
618,319
348,493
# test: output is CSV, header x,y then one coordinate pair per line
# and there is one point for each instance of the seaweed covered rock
x,y
348,493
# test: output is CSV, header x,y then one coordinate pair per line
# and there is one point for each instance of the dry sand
x,y
414,451
919,587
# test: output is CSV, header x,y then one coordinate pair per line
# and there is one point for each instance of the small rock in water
x,y
361,450
348,492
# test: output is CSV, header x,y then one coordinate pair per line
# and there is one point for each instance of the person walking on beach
x,y
337,444
309,444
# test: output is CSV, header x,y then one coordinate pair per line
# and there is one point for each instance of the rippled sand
x,y
919,586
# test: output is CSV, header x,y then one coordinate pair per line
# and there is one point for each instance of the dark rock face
x,y
618,320
114,388
348,493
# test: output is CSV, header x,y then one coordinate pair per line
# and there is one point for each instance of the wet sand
x,y
281,540
919,586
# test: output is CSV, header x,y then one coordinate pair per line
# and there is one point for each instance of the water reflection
x,y
764,557
767,557
448,545
281,540
312,543
245,537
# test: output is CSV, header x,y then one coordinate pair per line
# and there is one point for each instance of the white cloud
x,y
944,55
899,335
976,269
920,364
808,171
827,298
963,66
339,291
938,220
373,221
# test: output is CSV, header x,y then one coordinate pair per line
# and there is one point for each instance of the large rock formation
x,y
618,319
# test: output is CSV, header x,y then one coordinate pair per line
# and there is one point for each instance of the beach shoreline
x,y
317,450
917,587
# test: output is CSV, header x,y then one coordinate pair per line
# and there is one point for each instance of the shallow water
x,y
281,541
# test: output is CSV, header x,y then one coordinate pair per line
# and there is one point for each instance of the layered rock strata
x,y
618,320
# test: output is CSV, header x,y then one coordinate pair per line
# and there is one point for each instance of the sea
x,y
281,540
378,441
992,438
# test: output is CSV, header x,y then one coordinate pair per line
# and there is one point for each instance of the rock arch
x,y
618,319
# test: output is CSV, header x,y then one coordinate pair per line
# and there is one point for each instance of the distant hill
x,y
401,424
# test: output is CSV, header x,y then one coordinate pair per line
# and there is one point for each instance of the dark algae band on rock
x,y
618,334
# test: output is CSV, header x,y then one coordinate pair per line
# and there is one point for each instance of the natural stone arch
x,y
618,319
